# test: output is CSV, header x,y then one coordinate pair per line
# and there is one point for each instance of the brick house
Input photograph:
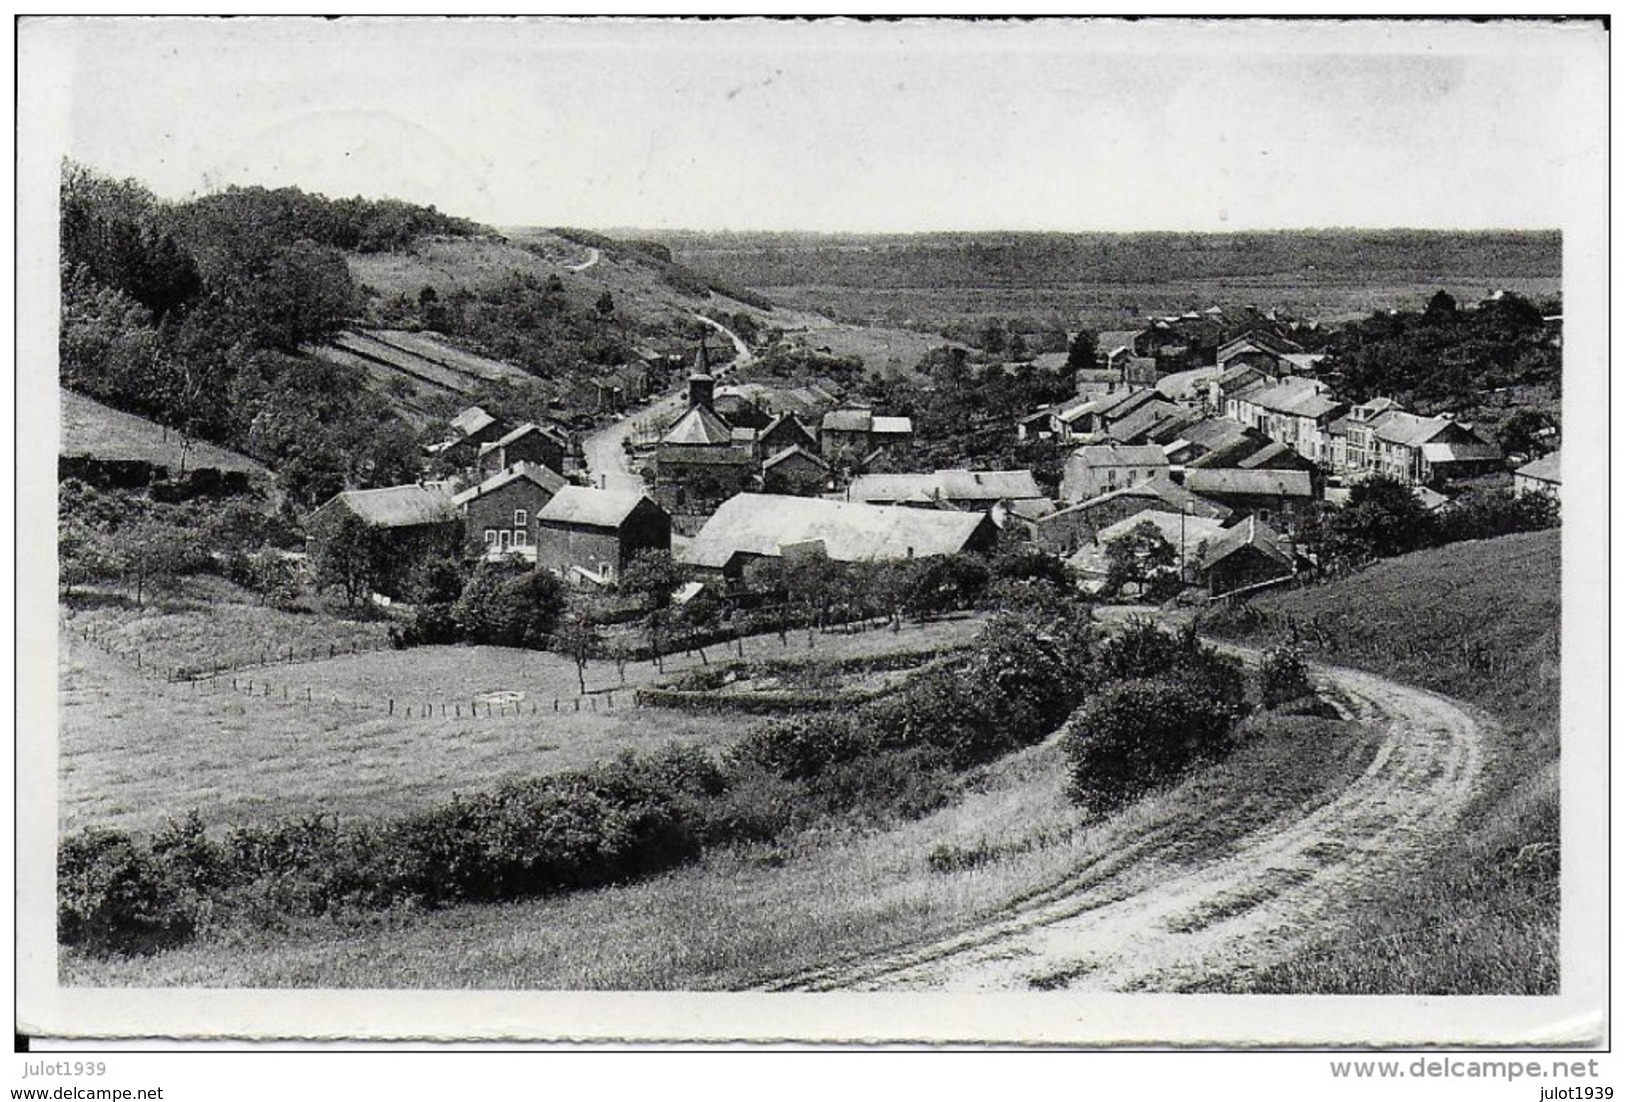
x,y
500,514
588,535
529,443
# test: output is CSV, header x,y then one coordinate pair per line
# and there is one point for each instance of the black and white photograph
x,y
1048,532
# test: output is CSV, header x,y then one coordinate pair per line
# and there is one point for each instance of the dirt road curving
x,y
1145,923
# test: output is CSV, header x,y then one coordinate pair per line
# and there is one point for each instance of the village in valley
x,y
1210,477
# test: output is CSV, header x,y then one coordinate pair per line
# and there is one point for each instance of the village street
x,y
604,451
1145,920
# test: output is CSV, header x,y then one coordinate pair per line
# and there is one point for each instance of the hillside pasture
x,y
324,736
101,432
210,624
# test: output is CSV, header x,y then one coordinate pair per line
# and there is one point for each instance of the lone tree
x,y
578,637
652,576
348,555
1141,556
1082,354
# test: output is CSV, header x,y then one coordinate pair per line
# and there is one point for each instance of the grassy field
x,y
210,623
321,736
90,428
1478,621
747,916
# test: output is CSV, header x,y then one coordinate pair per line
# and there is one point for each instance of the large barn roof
x,y
398,506
946,485
1547,469
763,524
1202,480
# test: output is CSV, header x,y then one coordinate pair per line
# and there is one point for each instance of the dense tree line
x,y
192,314
1445,356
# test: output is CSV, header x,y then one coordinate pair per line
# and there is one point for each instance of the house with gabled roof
x,y
1294,411
1541,476
754,527
528,443
500,513
1096,469
796,471
1276,497
1247,556
408,523
785,431
1064,530
587,535
469,429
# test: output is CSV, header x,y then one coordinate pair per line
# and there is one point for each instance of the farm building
x,y
785,431
471,428
761,526
1065,530
1155,422
1276,497
410,523
529,443
1543,476
959,489
588,535
500,514
1093,470
856,431
1250,554
796,471
1259,349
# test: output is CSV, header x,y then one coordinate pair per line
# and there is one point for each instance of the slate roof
x,y
1121,455
848,420
519,433
1167,525
591,508
763,524
1273,450
1296,397
1162,488
1250,533
703,455
946,485
786,453
1181,384
472,420
698,426
1263,483
1141,421
398,506
1546,469
542,475
1233,378
1460,452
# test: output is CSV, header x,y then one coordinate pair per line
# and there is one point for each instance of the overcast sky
x,y
841,126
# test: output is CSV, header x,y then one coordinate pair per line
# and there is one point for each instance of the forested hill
x,y
764,260
202,315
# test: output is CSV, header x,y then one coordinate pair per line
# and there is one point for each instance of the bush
x,y
1137,734
114,896
502,609
1282,676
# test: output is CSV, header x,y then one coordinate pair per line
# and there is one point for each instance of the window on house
x,y
503,539
520,538
490,537
520,518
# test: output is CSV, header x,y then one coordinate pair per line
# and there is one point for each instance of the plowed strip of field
x,y
1140,921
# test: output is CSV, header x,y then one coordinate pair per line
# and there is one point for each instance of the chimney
x,y
701,390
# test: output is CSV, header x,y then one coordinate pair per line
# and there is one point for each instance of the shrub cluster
x,y
1163,703
619,820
